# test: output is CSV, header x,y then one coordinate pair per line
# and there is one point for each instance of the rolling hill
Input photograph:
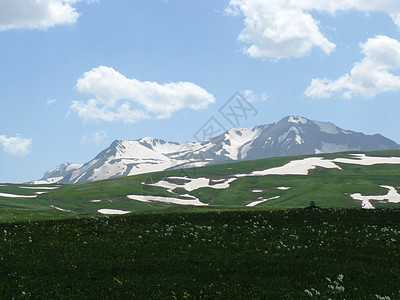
x,y
348,180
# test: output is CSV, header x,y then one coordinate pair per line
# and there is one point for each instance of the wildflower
x,y
308,292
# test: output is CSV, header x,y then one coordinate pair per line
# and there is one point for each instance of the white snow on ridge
x,y
167,200
298,139
50,180
302,167
296,167
362,159
297,120
240,137
392,196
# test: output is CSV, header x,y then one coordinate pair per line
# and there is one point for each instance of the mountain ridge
x,y
292,135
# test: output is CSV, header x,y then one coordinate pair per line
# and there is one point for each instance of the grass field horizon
x,y
225,250
328,188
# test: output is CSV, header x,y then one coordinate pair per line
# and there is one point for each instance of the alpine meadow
x,y
233,149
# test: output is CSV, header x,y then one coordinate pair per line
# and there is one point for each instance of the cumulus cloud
x,y
97,139
276,29
118,98
286,28
36,14
368,77
17,145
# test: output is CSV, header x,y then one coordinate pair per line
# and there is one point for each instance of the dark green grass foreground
x,y
281,254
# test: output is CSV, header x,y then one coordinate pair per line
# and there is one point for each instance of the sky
x,y
76,75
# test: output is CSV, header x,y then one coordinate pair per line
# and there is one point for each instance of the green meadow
x,y
58,246
261,254
328,188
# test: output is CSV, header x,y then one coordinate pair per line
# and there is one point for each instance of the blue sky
x,y
76,75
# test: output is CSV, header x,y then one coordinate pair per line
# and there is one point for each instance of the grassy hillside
x,y
264,254
327,187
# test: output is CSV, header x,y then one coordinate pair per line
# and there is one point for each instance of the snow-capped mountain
x,y
289,136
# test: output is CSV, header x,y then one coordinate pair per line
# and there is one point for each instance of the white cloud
x,y
369,77
36,14
285,28
253,97
97,139
118,98
276,29
16,145
51,101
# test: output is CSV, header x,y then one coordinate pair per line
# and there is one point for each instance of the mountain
x,y
292,135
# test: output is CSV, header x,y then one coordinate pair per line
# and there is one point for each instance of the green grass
x,y
327,187
258,254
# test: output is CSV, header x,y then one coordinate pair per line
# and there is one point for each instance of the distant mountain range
x,y
292,135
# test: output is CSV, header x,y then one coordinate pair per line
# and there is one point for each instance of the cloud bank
x,y
118,98
286,28
36,14
16,145
97,139
368,77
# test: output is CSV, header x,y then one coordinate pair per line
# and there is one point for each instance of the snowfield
x,y
295,167
392,196
167,200
191,184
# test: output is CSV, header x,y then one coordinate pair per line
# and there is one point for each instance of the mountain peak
x,y
293,135
296,120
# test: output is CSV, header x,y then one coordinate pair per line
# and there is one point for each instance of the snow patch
x,y
296,167
283,188
167,200
61,209
39,187
16,196
257,191
392,196
261,201
297,120
48,180
362,159
192,184
298,139
106,211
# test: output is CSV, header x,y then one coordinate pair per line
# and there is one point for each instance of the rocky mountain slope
x,y
290,136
